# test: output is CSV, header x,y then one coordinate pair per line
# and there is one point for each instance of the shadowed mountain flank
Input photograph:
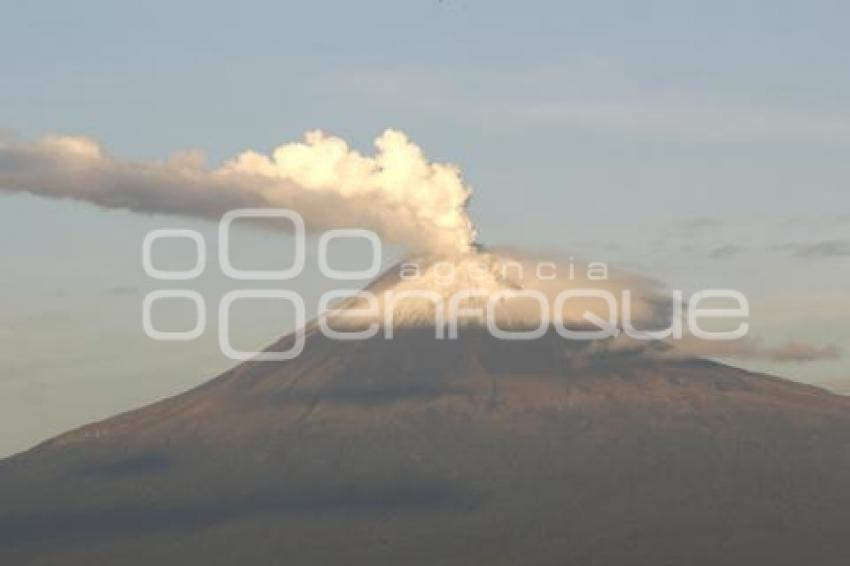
x,y
471,451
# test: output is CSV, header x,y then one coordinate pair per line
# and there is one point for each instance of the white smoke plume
x,y
397,192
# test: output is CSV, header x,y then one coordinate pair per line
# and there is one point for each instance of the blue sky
x,y
653,135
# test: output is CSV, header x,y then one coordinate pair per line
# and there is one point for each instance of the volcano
x,y
415,451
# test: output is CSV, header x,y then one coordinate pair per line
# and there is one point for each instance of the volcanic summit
x,y
416,450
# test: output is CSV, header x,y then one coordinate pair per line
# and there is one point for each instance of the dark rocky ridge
x,y
476,451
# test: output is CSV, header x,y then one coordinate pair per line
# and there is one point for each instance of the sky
x,y
702,144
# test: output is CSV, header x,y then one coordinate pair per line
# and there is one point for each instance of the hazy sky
x,y
702,143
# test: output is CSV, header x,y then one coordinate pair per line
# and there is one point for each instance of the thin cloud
x,y
802,352
699,224
752,349
818,250
693,119
690,120
724,252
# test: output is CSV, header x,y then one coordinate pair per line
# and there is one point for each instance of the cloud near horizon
x,y
723,252
818,250
752,349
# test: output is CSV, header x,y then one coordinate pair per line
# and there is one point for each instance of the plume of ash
x,y
397,192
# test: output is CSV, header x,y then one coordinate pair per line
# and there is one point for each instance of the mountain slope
x,y
421,451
